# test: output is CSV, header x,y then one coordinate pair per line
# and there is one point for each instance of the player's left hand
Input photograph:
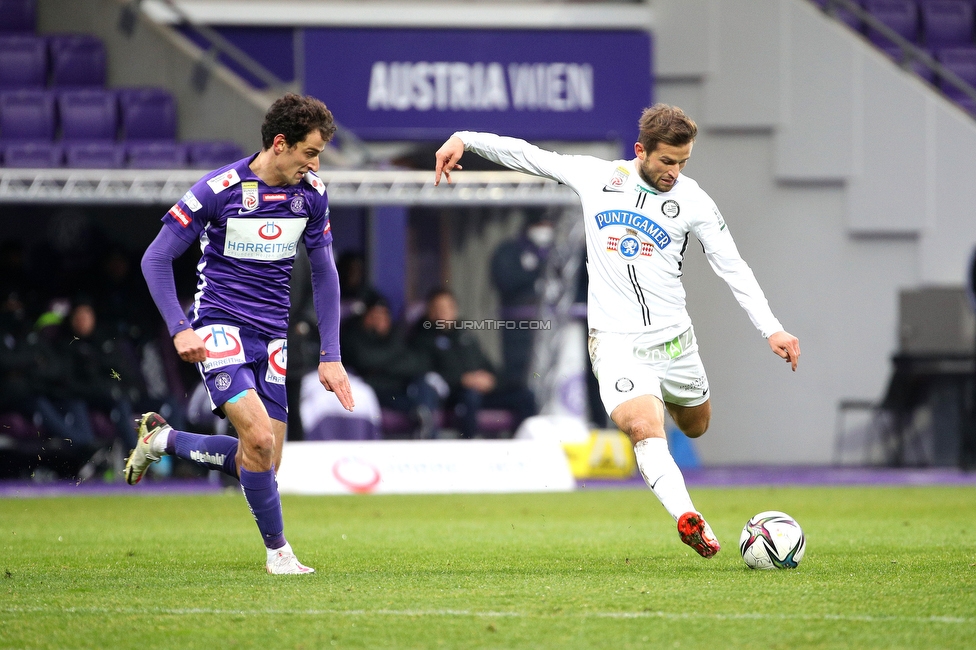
x,y
333,377
785,345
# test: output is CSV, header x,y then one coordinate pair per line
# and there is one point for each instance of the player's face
x,y
660,168
292,163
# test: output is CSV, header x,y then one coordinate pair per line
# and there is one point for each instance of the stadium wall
x,y
844,180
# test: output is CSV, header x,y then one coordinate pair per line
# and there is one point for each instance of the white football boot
x,y
150,426
282,561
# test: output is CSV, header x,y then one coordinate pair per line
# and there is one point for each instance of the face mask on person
x,y
542,235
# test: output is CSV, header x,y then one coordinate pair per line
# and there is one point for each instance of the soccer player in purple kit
x,y
248,218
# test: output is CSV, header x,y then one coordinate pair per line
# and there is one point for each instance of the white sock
x,y
157,445
272,552
662,475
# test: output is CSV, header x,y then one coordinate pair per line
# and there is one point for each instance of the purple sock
x,y
213,452
261,491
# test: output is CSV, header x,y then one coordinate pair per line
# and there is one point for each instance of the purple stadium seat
x,y
962,61
88,115
947,23
77,60
23,61
26,115
207,154
18,16
95,155
147,114
156,155
33,154
899,15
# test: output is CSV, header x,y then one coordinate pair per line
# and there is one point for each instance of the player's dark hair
x,y
294,117
667,124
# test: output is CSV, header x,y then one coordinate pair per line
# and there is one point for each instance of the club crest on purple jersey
x,y
297,204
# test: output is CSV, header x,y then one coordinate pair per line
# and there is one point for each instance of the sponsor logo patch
x,y
223,346
191,201
277,361
220,183
617,181
270,231
274,197
328,228
634,220
628,249
315,182
273,239
249,196
180,215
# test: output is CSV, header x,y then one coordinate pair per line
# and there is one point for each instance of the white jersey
x,y
636,239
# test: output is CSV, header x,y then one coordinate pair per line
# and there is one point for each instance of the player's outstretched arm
x,y
446,159
190,346
333,377
785,345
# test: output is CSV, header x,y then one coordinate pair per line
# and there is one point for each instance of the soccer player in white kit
x,y
638,215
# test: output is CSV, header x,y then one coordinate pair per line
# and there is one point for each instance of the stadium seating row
x,y
115,155
946,29
108,129
131,114
59,60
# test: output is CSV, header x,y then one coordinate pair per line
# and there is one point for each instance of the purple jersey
x,y
248,233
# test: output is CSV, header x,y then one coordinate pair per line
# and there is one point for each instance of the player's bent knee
x,y
260,445
641,429
695,429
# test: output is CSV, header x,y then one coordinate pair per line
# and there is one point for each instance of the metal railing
x,y
217,45
345,187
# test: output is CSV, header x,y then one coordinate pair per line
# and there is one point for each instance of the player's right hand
x,y
786,346
190,346
446,159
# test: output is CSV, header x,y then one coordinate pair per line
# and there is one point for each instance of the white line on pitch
x,y
489,614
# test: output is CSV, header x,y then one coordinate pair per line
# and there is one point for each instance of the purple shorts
x,y
239,359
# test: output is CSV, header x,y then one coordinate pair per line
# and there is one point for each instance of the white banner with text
x,y
424,467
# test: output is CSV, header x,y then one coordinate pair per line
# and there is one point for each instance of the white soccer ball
x,y
772,540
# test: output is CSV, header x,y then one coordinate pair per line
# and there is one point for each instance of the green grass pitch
x,y
885,568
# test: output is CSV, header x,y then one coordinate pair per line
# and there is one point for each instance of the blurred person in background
x,y
638,216
396,371
355,293
517,271
249,217
33,379
457,357
102,373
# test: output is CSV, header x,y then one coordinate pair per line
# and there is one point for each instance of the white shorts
x,y
627,368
